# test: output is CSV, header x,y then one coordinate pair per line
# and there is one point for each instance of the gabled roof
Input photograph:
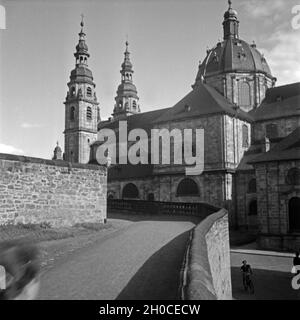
x,y
143,120
286,149
203,100
283,101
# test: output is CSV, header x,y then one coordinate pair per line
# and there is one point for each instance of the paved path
x,y
272,277
141,261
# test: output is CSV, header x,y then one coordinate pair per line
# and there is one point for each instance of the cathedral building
x,y
251,138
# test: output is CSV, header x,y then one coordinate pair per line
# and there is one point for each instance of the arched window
x,y
271,131
252,186
187,187
130,191
244,94
73,91
110,196
294,214
89,91
134,105
120,104
252,208
89,113
245,136
293,177
72,114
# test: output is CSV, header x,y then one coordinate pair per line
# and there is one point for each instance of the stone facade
x,y
230,86
274,194
35,190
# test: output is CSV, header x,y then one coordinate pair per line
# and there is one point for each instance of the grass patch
x,y
44,231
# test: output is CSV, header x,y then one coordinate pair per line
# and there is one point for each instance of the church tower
x,y
127,98
81,107
235,68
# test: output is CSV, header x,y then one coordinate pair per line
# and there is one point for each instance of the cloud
x,y
282,54
4,148
26,125
263,9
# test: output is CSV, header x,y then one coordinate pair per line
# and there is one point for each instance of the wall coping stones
x,y
199,280
57,163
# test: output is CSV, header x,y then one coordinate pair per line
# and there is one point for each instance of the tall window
x,y
89,91
271,131
187,187
252,208
245,136
244,95
134,105
72,114
294,216
89,113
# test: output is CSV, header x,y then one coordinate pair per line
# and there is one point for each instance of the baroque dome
x,y
233,55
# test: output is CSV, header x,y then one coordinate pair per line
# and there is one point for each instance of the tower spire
x,y
230,23
81,53
126,99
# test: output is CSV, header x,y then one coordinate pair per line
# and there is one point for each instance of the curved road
x,y
141,261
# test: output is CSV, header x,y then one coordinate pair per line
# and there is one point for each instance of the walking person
x,y
247,275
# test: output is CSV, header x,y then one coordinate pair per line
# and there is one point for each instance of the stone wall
x,y
35,190
207,273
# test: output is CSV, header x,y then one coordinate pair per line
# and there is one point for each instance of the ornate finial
x,y
230,4
57,143
82,22
126,43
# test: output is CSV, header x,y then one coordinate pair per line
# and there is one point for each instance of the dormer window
x,y
89,113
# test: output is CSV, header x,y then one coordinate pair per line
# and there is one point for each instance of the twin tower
x,y
82,111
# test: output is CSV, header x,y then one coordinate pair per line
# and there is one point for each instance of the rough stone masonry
x,y
34,190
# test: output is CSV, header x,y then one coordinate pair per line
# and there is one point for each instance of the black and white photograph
x,y
149,151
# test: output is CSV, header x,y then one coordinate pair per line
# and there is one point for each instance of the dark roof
x,y
283,101
286,149
233,55
253,152
143,120
128,171
201,101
